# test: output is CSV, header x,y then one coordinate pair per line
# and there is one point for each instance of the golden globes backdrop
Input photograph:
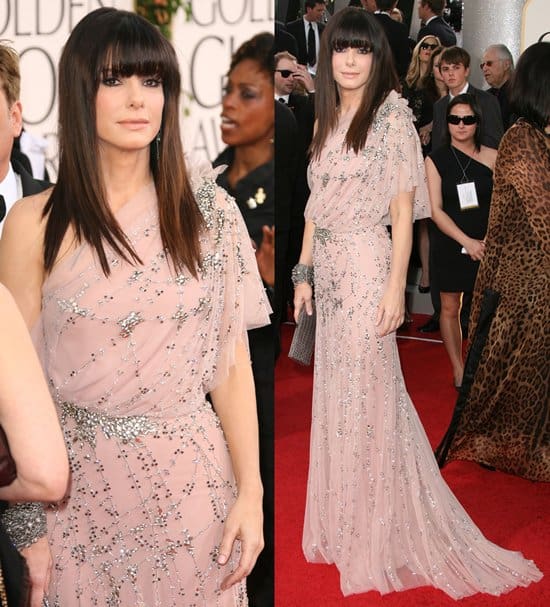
x,y
204,44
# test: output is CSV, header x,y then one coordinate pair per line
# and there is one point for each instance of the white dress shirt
x,y
11,189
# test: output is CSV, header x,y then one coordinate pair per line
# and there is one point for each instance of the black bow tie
x,y
282,100
2,207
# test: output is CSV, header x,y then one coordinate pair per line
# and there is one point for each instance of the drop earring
x,y
157,146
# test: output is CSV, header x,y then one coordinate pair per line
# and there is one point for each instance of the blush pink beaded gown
x,y
377,505
129,360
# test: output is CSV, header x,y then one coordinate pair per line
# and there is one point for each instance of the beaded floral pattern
x,y
129,359
376,503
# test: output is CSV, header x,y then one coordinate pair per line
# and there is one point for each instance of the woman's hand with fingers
x,y
39,562
303,297
391,311
244,523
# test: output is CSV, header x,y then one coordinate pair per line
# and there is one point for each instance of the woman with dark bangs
x,y
377,505
140,283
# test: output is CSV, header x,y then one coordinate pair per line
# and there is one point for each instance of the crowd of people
x,y
139,410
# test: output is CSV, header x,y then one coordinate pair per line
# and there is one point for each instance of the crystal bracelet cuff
x,y
25,523
302,273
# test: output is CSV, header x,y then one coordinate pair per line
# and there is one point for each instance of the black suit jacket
x,y
491,120
287,155
303,107
397,36
508,118
29,184
284,41
296,28
440,28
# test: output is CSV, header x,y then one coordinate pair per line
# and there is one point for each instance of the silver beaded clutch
x,y
303,340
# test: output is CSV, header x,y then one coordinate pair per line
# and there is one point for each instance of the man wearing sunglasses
x,y
497,66
430,13
294,87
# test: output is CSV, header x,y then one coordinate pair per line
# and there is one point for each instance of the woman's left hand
x,y
244,523
475,249
391,311
425,133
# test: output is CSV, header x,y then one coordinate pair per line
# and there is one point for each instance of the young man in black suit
x,y
307,32
454,66
15,179
397,36
430,13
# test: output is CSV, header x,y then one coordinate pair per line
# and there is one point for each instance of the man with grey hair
x,y
497,66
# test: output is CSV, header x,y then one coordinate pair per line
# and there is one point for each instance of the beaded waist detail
x,y
125,428
322,234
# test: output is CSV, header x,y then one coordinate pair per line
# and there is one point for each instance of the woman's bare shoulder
x,y
488,156
25,222
21,253
29,210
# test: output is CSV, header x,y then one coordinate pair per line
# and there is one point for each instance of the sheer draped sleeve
x,y
239,302
405,158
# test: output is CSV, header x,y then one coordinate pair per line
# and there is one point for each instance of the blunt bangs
x,y
341,44
130,46
354,30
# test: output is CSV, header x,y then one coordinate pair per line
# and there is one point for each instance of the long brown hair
x,y
356,28
126,44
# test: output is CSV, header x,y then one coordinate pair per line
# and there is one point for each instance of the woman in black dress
x,y
421,92
460,182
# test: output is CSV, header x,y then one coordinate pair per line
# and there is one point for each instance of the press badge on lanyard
x,y
467,195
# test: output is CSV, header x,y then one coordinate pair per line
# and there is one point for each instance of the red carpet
x,y
511,511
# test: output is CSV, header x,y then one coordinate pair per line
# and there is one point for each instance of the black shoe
x,y
430,327
422,289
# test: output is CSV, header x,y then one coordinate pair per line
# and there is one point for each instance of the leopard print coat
x,y
505,422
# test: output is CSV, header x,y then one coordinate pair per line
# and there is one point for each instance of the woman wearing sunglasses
x,y
460,182
421,91
420,88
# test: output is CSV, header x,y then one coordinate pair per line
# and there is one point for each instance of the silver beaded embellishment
x,y
302,273
126,428
25,523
